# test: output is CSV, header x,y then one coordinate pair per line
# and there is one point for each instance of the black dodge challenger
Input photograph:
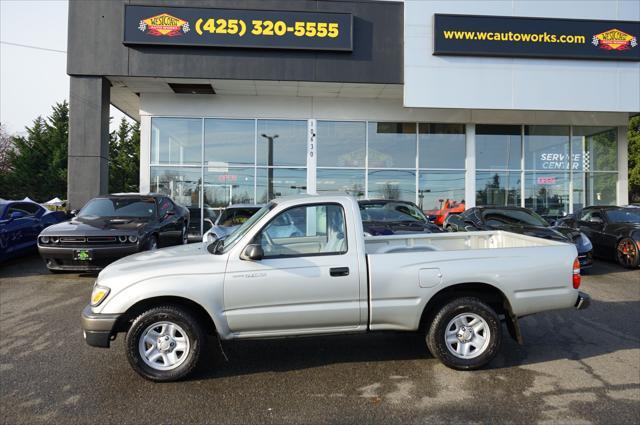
x,y
111,227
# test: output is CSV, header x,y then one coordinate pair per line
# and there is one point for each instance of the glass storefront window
x,y
600,188
547,193
441,145
228,186
347,181
392,184
435,187
181,184
229,141
176,141
287,141
392,145
595,148
546,148
498,147
498,188
277,182
341,144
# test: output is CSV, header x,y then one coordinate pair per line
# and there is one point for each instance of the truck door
x,y
307,280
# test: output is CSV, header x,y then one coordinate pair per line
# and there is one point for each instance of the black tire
x,y
177,316
627,253
184,236
153,240
438,327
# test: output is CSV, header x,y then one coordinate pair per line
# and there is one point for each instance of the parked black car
x,y
523,221
111,227
614,232
386,217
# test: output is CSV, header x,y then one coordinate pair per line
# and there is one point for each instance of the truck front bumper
x,y
583,301
98,329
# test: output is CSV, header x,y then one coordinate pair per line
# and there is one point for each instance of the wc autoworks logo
x,y
614,39
164,25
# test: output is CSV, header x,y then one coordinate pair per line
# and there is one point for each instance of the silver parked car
x,y
228,220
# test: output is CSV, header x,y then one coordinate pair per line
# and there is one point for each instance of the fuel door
x,y
430,277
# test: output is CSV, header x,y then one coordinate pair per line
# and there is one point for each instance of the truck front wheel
x,y
164,343
465,334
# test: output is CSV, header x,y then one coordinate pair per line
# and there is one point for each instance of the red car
x,y
447,206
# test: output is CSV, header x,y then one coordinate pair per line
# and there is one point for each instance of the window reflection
x,y
229,141
498,188
346,181
228,186
392,184
282,143
547,148
498,147
176,141
278,182
392,145
547,193
601,188
442,146
596,148
341,144
437,187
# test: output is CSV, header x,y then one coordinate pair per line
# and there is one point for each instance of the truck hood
x,y
178,260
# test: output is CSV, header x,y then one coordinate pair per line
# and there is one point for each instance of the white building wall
x,y
518,83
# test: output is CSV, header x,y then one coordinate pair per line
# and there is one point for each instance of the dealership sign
x,y
241,28
476,35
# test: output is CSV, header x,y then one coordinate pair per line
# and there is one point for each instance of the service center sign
x,y
472,35
184,26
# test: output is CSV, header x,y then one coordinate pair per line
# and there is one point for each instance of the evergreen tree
x,y
124,158
633,136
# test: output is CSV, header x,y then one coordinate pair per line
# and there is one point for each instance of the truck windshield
x,y
238,233
119,207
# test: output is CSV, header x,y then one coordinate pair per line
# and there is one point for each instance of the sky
x,y
33,80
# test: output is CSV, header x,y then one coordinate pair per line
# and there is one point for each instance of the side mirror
x,y
16,214
596,220
252,252
169,213
73,213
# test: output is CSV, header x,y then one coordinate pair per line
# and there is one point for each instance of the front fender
x,y
203,289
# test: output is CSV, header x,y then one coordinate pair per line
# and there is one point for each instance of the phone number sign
x,y
240,28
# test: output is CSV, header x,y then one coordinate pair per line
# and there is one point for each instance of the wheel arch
x,y
126,319
490,294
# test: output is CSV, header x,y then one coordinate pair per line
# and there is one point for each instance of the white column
x,y
145,153
470,167
312,156
623,167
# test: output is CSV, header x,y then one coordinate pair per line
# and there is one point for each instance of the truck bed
x,y
405,271
459,241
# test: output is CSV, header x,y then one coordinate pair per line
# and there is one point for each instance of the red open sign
x,y
546,180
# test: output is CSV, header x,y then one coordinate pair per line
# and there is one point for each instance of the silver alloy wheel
x,y
467,336
164,346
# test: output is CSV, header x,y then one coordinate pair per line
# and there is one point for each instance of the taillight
x,y
576,274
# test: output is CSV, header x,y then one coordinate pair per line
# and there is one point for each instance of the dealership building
x,y
521,103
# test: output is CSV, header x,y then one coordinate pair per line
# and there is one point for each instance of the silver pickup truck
x,y
327,278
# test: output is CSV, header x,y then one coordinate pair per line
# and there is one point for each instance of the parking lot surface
x,y
575,367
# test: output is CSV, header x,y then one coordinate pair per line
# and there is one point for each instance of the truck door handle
x,y
339,271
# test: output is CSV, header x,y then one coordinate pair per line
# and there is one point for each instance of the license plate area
x,y
82,254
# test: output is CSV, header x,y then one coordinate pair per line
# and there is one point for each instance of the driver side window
x,y
306,230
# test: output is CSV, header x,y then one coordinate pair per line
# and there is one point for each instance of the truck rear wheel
x,y
164,343
465,334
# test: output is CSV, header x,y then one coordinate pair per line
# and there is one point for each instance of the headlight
x,y
55,239
122,238
98,295
133,239
44,239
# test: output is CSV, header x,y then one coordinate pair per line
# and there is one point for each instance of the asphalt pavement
x,y
577,367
